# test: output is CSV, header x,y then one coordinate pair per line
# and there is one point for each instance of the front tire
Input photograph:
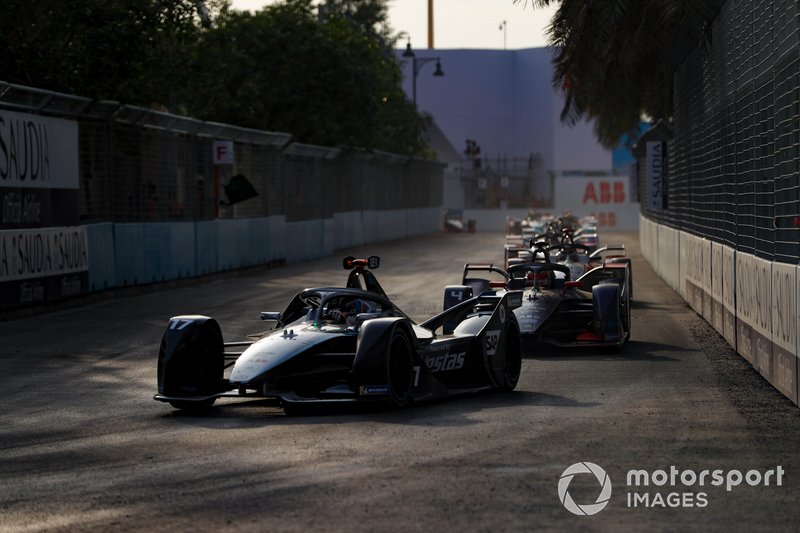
x,y
400,368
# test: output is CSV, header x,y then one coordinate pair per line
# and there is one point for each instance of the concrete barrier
x,y
708,276
784,313
669,256
717,275
102,263
127,254
691,270
751,302
729,280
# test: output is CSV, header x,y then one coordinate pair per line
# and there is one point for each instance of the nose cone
x,y
272,351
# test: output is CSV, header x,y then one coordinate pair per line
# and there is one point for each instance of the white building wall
x,y
504,100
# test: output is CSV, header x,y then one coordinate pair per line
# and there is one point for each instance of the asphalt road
x,y
83,447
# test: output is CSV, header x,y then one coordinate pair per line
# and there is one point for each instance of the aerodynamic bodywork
x,y
348,344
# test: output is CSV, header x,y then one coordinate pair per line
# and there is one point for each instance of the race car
x,y
579,258
592,311
348,344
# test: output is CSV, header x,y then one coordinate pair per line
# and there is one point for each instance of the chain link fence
x,y
502,182
734,158
140,165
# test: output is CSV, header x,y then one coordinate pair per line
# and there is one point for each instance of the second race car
x,y
592,311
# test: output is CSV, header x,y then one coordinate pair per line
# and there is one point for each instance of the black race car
x,y
349,344
592,311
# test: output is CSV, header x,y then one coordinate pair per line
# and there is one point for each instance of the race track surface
x,y
84,447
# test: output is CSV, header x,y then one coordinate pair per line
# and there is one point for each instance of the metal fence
x,y
140,165
734,158
504,182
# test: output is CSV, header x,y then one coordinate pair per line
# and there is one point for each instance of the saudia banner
x,y
656,174
43,252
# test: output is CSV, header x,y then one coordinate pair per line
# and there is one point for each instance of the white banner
x,y
42,252
38,152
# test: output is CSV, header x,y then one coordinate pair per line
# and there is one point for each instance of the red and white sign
x,y
605,197
222,153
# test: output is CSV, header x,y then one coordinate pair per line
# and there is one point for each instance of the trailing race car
x,y
579,258
349,344
592,311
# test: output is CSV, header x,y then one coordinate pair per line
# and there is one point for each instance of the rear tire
x,y
512,361
400,368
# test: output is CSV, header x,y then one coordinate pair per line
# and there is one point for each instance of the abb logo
x,y
608,193
606,220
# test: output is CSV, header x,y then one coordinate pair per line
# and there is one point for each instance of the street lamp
x,y
416,65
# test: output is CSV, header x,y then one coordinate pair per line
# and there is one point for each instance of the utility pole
x,y
430,23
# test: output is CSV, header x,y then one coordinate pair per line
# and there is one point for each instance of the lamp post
x,y
416,65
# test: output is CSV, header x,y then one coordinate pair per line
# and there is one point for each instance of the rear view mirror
x,y
266,315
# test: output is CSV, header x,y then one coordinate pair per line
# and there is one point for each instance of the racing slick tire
x,y
191,362
400,368
607,309
626,314
512,359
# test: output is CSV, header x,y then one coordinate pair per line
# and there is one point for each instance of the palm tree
x,y
615,59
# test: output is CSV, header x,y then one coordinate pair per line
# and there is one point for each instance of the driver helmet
x,y
355,307
542,279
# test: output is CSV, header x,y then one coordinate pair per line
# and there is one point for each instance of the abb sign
x,y
606,197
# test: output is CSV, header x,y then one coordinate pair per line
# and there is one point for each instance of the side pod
x,y
191,360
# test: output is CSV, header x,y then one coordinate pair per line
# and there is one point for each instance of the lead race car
x,y
349,344
591,311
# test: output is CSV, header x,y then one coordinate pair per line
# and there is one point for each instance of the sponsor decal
x,y
35,253
38,152
502,314
448,361
372,390
490,341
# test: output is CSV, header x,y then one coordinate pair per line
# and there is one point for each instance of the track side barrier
x,y
691,270
717,285
751,302
784,329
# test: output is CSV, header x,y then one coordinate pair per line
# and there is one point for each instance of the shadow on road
x,y
452,411
633,351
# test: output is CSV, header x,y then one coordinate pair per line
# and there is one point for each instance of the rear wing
x,y
482,283
451,317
